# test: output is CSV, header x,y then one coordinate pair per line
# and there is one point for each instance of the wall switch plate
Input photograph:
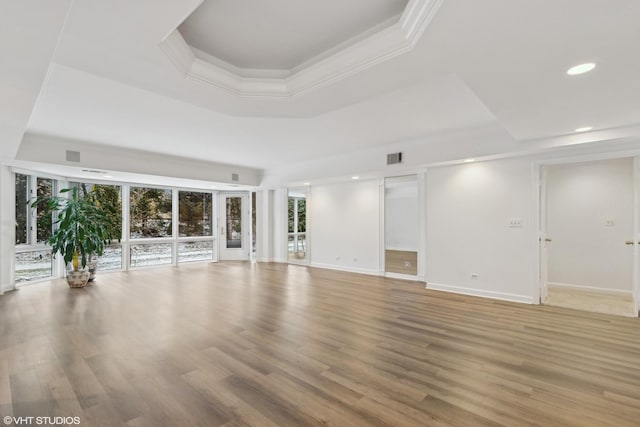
x,y
609,222
515,222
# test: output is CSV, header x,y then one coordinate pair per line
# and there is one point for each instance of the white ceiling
x,y
495,64
281,34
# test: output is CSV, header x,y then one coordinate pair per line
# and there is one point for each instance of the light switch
x,y
609,222
515,222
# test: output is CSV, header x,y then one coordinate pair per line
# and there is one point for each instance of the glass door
x,y
297,241
235,242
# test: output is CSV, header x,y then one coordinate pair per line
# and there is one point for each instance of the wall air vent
x,y
94,171
73,156
235,177
394,158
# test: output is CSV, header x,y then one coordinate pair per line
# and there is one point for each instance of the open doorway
x,y
587,236
401,225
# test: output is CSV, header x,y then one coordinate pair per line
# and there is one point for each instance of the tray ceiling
x,y
282,34
286,48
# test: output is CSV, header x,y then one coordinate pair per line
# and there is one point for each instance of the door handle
x,y
548,240
629,242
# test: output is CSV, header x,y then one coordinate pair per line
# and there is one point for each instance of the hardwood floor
x,y
403,262
235,344
590,300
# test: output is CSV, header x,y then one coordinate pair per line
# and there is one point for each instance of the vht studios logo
x,y
40,421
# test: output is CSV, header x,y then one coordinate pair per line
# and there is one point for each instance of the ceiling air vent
x,y
394,158
235,177
73,156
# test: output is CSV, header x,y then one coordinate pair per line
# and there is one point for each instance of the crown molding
x,y
347,59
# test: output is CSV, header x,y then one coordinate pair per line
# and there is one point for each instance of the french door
x,y
234,229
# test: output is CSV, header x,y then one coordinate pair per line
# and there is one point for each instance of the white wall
x,y
345,226
468,211
584,250
52,150
280,223
401,213
7,228
271,222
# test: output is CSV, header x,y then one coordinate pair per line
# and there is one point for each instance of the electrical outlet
x,y
407,264
355,260
337,258
609,222
475,276
515,222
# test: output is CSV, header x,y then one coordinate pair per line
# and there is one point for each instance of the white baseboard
x,y
271,260
481,293
370,272
401,276
591,289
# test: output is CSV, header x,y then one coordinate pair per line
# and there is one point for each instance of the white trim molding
x,y
345,60
370,272
525,299
626,292
413,278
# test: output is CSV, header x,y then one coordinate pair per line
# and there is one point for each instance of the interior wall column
x,y
264,230
422,224
7,228
280,218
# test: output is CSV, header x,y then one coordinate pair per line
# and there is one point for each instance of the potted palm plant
x,y
82,228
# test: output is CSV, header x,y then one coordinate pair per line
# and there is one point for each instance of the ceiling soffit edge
x,y
341,62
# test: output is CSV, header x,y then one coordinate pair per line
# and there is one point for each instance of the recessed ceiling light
x,y
355,177
469,160
307,183
108,176
581,68
584,129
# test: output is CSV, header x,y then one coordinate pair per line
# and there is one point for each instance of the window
x,y
151,240
148,254
297,226
33,258
33,265
195,214
150,212
195,251
22,208
111,258
234,222
109,196
44,188
253,221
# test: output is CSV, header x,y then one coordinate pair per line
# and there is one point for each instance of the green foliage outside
x,y
82,224
302,215
150,212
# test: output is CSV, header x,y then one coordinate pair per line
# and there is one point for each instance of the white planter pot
x,y
77,278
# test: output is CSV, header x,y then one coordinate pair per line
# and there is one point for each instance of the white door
x,y
588,242
234,231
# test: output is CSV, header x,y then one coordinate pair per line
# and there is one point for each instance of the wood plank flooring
x,y
403,262
590,300
239,344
